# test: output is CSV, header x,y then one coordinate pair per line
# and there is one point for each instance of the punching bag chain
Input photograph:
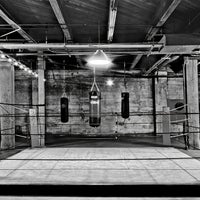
x,y
94,82
124,76
64,88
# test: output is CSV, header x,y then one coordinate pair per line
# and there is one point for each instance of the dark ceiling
x,y
173,25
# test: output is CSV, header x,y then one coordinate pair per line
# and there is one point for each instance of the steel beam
x,y
152,31
15,26
112,19
60,18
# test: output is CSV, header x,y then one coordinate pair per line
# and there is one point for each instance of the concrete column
x,y
160,98
41,99
7,95
192,100
166,126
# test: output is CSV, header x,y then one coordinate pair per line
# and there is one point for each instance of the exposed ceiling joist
x,y
155,66
63,25
114,48
152,31
78,47
60,18
15,26
161,63
112,19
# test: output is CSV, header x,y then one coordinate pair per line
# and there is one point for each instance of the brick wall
x,y
77,86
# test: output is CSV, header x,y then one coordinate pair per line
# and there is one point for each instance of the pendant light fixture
x,y
99,58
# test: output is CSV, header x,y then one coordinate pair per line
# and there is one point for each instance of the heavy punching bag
x,y
64,109
125,105
95,108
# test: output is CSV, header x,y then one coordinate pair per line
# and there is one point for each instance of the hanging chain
x,y
64,88
124,76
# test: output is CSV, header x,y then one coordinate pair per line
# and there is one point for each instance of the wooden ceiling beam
x,y
112,19
16,27
59,16
152,31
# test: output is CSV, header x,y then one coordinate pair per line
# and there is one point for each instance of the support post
x,y
41,99
154,105
160,98
35,138
7,121
192,100
166,126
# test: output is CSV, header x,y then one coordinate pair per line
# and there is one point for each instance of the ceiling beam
x,y
152,31
79,46
161,63
16,27
114,48
112,19
155,65
60,18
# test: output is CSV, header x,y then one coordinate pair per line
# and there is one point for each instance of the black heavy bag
x,y
64,109
95,108
125,105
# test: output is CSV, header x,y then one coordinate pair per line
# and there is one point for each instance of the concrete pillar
x,y
192,100
166,126
41,99
7,96
161,89
35,138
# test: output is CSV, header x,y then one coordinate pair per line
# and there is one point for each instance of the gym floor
x,y
100,161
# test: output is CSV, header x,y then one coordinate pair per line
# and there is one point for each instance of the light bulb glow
x,y
3,56
9,59
16,63
99,62
99,58
109,82
21,66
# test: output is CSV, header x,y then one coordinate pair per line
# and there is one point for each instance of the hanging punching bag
x,y
95,108
125,105
64,109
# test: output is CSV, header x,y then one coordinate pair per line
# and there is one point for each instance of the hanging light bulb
x,y
99,58
29,71
109,82
21,66
3,56
16,63
36,75
10,60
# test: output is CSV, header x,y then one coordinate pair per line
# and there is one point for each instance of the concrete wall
x,y
168,89
77,86
23,96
